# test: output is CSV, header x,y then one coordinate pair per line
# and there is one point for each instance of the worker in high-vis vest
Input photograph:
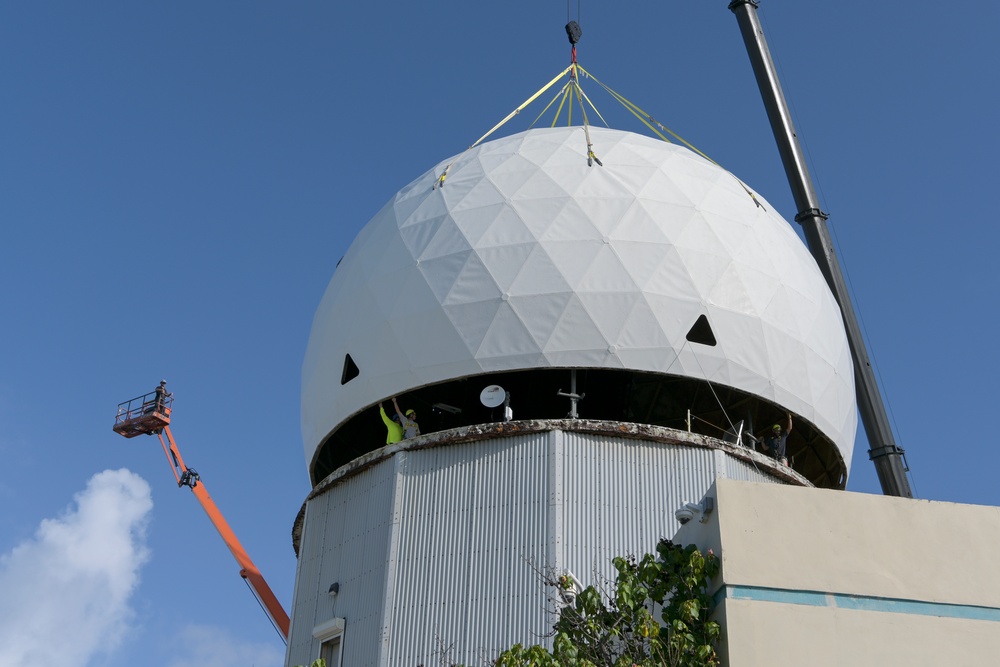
x,y
393,427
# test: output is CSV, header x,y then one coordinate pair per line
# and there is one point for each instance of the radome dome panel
x,y
528,258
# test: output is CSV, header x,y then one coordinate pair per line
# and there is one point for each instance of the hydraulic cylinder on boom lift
x,y
150,415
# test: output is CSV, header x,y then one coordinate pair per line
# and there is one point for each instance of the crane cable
x,y
260,603
568,16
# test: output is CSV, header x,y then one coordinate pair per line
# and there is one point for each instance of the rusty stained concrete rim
x,y
456,436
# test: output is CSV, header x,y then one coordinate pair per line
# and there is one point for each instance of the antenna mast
x,y
889,458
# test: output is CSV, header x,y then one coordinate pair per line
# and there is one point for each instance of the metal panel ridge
x,y
473,530
620,495
345,540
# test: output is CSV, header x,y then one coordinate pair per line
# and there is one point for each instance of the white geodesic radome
x,y
529,258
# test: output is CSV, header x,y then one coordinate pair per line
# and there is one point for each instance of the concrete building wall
x,y
820,577
760,633
439,550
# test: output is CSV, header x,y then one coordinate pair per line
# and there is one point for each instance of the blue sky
x,y
178,180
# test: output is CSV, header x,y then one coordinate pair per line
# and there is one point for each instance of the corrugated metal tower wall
x,y
438,551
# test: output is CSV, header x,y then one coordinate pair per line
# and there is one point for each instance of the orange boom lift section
x,y
150,415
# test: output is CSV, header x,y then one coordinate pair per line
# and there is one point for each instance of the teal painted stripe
x,y
858,602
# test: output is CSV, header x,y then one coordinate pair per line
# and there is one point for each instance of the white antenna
x,y
494,396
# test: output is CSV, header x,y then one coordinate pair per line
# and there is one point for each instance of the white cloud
x,y
66,591
206,646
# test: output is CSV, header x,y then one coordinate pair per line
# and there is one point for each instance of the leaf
x,y
621,630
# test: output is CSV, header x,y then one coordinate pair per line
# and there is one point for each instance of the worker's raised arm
x,y
385,417
789,428
399,413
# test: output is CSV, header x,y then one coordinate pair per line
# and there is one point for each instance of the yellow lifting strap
x,y
649,121
565,96
444,174
591,157
562,92
568,92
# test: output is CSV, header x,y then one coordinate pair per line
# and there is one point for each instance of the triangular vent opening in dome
x,y
702,332
350,370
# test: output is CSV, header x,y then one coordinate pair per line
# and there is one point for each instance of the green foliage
x,y
318,662
622,630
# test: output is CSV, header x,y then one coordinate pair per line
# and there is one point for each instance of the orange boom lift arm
x,y
150,415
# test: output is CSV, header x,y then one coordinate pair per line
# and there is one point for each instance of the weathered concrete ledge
x,y
457,436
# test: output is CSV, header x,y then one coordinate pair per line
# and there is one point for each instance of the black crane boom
x,y
889,458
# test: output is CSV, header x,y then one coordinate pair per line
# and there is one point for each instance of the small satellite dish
x,y
493,396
